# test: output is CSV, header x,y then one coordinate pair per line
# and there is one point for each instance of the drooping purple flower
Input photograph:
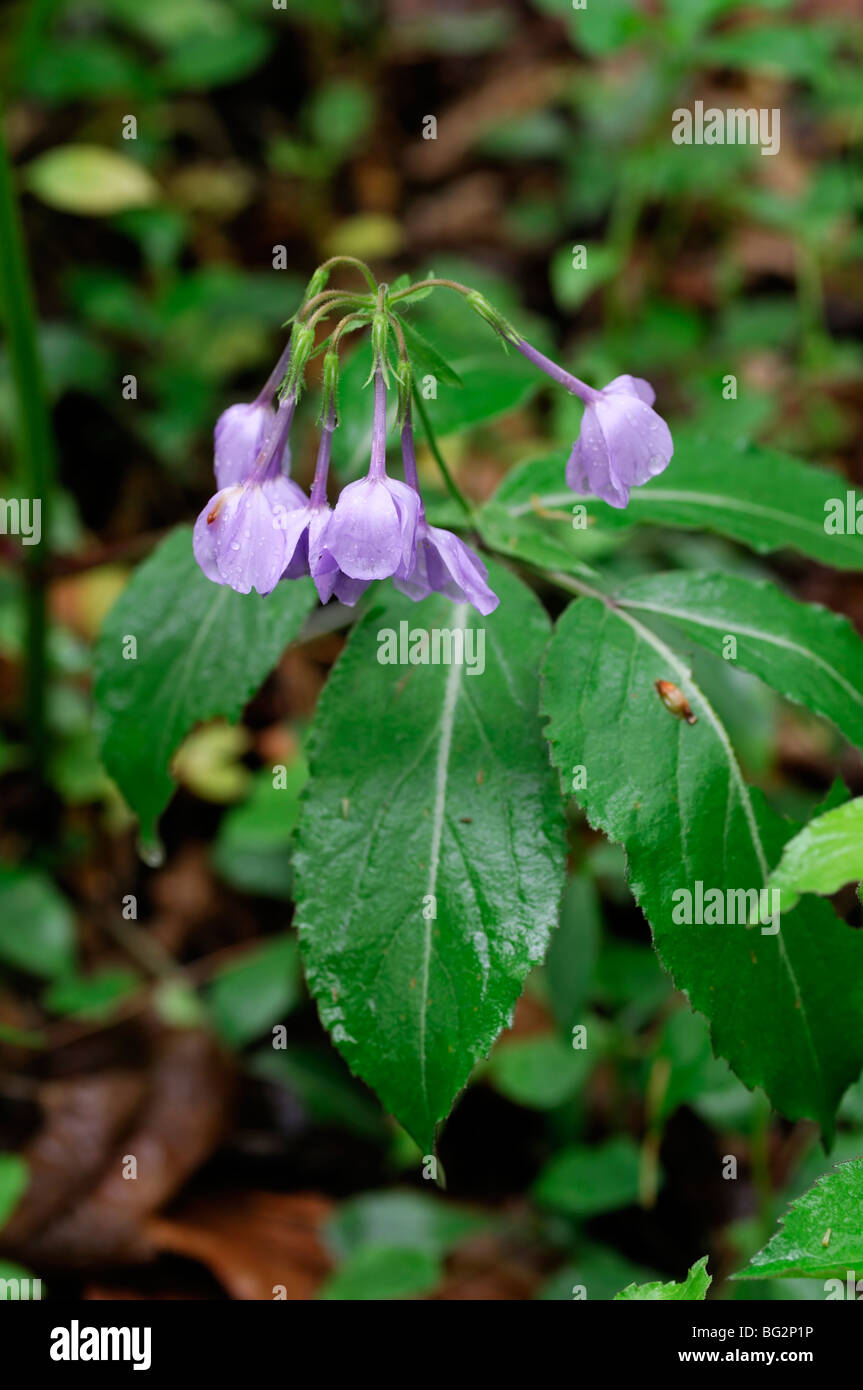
x,y
622,442
305,528
238,540
443,564
372,531
241,430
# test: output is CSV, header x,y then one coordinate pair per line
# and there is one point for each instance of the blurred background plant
x,y
182,169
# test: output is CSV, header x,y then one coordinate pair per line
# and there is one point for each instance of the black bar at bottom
x,y
84,1340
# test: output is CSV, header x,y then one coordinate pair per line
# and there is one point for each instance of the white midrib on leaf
x,y
731,626
180,679
696,696
705,499
694,693
445,728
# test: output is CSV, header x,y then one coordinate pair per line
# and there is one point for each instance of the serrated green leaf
x,y
821,1235
804,651
202,651
827,853
430,791
786,1009
763,498
693,1287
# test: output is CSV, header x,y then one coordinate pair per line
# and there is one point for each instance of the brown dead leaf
x,y
176,1124
82,1119
254,1243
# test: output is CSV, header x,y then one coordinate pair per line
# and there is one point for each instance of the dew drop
x,y
152,853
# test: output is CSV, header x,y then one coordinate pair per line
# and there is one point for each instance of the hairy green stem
x,y
357,264
452,485
431,285
342,301
326,300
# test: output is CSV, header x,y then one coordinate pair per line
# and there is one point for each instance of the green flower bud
x,y
316,284
380,335
330,397
380,330
302,343
404,382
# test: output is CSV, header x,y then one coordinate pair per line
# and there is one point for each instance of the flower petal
x,y
348,590
365,533
249,545
589,469
639,441
631,386
469,574
239,433
203,538
446,565
408,506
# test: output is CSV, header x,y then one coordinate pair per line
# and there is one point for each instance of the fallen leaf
x,y
255,1243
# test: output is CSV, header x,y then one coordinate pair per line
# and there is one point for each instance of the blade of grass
x,y
35,444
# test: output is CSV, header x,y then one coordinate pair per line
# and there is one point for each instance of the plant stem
x,y
430,285
452,485
35,442
571,383
344,324
339,302
357,264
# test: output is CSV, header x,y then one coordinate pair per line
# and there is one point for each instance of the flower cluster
x,y
260,527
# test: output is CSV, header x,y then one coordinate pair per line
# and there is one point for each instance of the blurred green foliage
x,y
258,127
